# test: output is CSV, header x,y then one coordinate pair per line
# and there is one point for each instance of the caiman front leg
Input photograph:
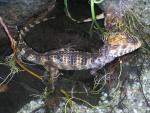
x,y
50,76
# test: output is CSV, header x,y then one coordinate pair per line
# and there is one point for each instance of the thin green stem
x,y
93,11
67,12
94,23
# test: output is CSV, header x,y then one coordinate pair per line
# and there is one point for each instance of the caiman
x,y
116,45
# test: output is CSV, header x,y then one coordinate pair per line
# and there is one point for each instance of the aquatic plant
x,y
94,24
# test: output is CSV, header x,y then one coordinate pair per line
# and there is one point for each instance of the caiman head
x,y
120,43
115,45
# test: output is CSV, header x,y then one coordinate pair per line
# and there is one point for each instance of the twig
x,y
13,46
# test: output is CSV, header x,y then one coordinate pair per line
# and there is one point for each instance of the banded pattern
x,y
69,59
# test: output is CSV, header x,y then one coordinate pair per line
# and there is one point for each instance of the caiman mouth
x,y
121,43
